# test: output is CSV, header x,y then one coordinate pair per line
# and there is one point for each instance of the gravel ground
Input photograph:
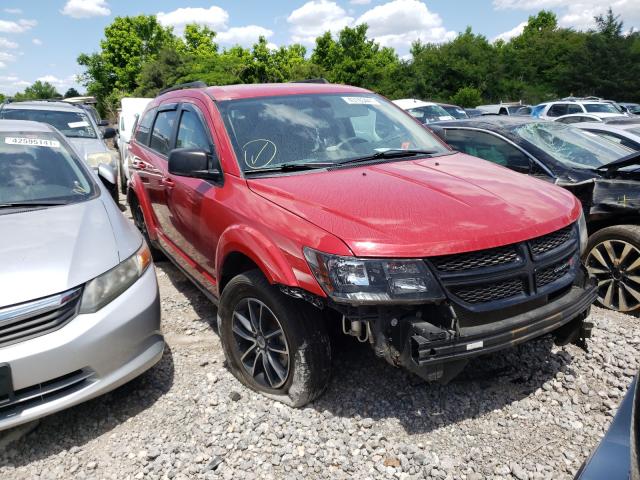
x,y
535,411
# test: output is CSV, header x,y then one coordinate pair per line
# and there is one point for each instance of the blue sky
x,y
41,39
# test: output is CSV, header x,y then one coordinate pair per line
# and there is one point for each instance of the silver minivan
x,y
79,302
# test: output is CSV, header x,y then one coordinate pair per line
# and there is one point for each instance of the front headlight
x,y
369,281
584,235
105,288
95,159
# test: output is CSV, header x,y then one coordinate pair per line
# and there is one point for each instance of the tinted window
x,y
488,147
430,113
142,134
71,124
574,108
557,110
162,130
600,108
323,128
191,132
36,166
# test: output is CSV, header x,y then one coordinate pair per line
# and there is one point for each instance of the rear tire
x,y
613,258
293,366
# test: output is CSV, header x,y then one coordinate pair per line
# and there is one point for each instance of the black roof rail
x,y
183,86
311,80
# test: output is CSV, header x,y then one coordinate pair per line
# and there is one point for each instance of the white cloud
x,y
13,11
578,13
316,17
36,41
244,36
86,8
6,43
509,34
213,17
399,23
7,57
12,84
360,2
61,84
22,25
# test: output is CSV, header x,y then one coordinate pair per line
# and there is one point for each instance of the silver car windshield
x,y
571,146
37,167
70,124
320,128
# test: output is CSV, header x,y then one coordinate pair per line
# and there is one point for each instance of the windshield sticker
x,y
361,101
32,142
78,124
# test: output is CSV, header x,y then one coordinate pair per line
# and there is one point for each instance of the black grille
x,y
490,292
47,391
550,274
553,240
510,274
472,260
31,319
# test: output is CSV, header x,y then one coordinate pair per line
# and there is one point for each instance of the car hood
x,y
87,146
423,207
43,252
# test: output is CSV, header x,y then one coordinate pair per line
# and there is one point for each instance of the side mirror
x,y
103,123
107,173
108,133
192,162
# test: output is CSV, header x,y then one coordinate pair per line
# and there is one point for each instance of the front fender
x,y
136,188
260,249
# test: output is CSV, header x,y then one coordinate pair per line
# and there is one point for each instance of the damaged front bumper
x,y
427,349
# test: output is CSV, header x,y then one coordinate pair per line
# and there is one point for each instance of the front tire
x,y
273,344
613,258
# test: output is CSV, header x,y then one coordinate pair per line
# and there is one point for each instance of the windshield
x,y
70,124
430,113
456,112
569,145
600,108
302,129
36,166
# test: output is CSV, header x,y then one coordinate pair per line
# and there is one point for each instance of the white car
x,y
131,109
559,108
626,133
425,112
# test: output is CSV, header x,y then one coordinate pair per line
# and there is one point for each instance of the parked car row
x,y
300,209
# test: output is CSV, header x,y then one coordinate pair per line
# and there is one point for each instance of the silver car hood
x,y
43,252
87,146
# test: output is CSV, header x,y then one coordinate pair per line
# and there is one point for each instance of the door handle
x,y
137,163
167,182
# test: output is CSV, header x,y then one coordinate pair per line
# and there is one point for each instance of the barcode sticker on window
x,y
361,101
33,142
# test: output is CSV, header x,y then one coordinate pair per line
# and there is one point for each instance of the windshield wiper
x,y
391,153
290,167
32,203
631,159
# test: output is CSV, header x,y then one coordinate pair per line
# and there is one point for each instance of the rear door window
x,y
162,130
142,134
574,108
557,110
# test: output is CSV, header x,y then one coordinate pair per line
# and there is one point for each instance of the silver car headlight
x,y
95,159
373,281
103,289
584,235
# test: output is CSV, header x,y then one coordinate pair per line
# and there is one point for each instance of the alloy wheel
x,y
616,266
260,343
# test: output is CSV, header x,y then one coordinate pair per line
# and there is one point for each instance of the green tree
x,y
38,91
467,97
71,92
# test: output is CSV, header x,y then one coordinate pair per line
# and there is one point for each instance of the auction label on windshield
x,y
361,101
33,142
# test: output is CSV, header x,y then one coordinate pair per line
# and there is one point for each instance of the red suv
x,y
301,207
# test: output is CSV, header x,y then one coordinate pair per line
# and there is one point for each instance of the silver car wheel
x,y
616,266
260,343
